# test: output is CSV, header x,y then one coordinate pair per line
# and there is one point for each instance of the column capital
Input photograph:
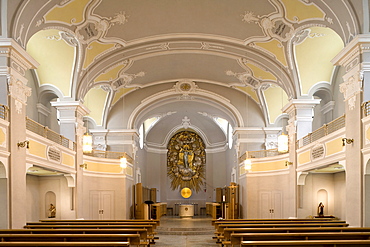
x,y
75,106
300,107
350,55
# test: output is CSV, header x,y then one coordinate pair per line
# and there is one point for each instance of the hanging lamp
x,y
283,143
87,143
123,162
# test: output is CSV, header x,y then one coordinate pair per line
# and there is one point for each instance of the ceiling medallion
x,y
186,159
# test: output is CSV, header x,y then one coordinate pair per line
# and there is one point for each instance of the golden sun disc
x,y
186,192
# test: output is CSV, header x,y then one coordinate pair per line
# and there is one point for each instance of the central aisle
x,y
185,232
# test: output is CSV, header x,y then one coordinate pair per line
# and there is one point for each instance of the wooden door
x,y
270,205
101,204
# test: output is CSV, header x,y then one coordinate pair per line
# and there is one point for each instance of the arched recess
x,y
322,196
324,111
172,96
47,114
50,198
367,195
4,197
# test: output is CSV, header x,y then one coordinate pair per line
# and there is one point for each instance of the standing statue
x,y
320,209
52,211
186,156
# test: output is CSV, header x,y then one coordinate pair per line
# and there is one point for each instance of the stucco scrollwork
x,y
350,89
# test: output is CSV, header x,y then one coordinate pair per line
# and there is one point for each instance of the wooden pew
x,y
237,238
229,231
132,239
101,221
221,227
152,223
316,243
70,244
110,228
274,220
220,231
141,231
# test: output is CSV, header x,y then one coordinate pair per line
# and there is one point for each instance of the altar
x,y
186,210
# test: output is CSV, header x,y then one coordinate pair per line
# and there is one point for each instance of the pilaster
x,y
14,62
72,127
301,114
354,58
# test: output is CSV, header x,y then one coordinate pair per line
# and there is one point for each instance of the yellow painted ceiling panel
x,y
314,56
276,48
120,93
71,13
56,59
95,101
299,11
250,92
276,99
260,73
110,75
93,50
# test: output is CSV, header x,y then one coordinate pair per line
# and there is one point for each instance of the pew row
x,y
316,243
70,244
274,220
116,229
131,239
229,231
101,221
238,238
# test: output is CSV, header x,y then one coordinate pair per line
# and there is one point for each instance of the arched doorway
x,y
367,195
4,197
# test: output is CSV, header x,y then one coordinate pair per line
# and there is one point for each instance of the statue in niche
x,y
52,211
320,209
186,161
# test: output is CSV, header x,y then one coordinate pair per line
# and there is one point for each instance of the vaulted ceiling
x,y
102,51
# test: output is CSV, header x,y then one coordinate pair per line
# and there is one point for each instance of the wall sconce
x,y
288,163
347,141
24,144
84,166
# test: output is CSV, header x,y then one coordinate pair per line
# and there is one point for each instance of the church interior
x,y
138,109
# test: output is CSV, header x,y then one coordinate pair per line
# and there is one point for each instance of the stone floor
x,y
185,232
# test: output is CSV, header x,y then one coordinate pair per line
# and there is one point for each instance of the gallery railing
x,y
4,112
325,130
259,154
110,155
41,130
366,108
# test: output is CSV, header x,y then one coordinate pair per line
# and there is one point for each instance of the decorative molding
x,y
350,89
125,79
318,152
19,92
